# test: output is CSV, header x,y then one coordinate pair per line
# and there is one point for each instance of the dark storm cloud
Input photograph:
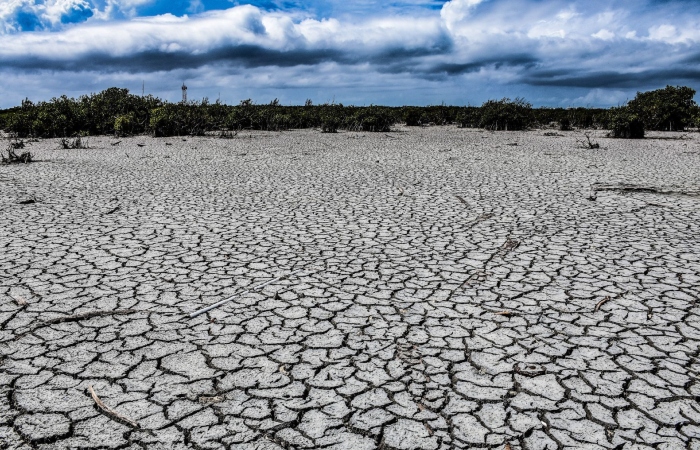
x,y
244,56
524,61
612,79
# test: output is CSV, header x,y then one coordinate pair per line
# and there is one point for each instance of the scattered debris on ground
x,y
601,303
588,143
27,201
76,143
12,157
110,412
641,188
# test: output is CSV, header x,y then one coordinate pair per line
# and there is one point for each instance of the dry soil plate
x,y
456,291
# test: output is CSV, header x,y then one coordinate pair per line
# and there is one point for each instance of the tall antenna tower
x,y
184,93
143,88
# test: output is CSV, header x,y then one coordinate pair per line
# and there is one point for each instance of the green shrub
x,y
330,125
695,122
565,124
279,121
668,109
469,118
506,114
625,124
124,124
372,118
331,118
413,117
115,110
160,123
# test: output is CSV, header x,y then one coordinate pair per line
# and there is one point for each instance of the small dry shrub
x,y
12,157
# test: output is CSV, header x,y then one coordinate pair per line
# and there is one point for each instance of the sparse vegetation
x,y
117,112
374,118
565,124
668,109
77,142
506,115
587,143
10,156
413,117
626,124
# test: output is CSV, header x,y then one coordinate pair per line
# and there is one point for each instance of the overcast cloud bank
x,y
556,53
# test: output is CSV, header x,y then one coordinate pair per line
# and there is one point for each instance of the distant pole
x,y
143,88
184,93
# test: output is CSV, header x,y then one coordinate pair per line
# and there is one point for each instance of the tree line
x,y
115,111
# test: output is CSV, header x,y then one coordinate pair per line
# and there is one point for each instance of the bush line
x,y
115,111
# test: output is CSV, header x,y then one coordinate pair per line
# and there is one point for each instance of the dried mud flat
x,y
455,290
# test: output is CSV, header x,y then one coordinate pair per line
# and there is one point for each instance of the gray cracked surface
x,y
457,292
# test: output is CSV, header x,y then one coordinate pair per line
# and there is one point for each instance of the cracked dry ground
x,y
456,291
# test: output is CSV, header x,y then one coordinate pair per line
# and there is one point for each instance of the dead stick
x,y
113,210
111,413
461,199
209,308
601,303
78,318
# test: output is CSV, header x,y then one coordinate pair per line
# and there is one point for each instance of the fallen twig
x,y
115,143
459,197
113,210
110,412
78,318
226,300
90,315
602,302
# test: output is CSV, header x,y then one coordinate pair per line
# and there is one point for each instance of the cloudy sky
x,y
552,52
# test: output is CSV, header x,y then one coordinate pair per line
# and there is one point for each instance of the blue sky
x,y
552,52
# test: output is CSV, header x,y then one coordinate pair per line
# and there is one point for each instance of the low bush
x,y
124,125
625,124
77,142
506,115
469,117
116,111
412,116
565,124
10,155
372,118
668,109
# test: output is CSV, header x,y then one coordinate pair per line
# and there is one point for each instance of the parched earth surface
x,y
430,288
